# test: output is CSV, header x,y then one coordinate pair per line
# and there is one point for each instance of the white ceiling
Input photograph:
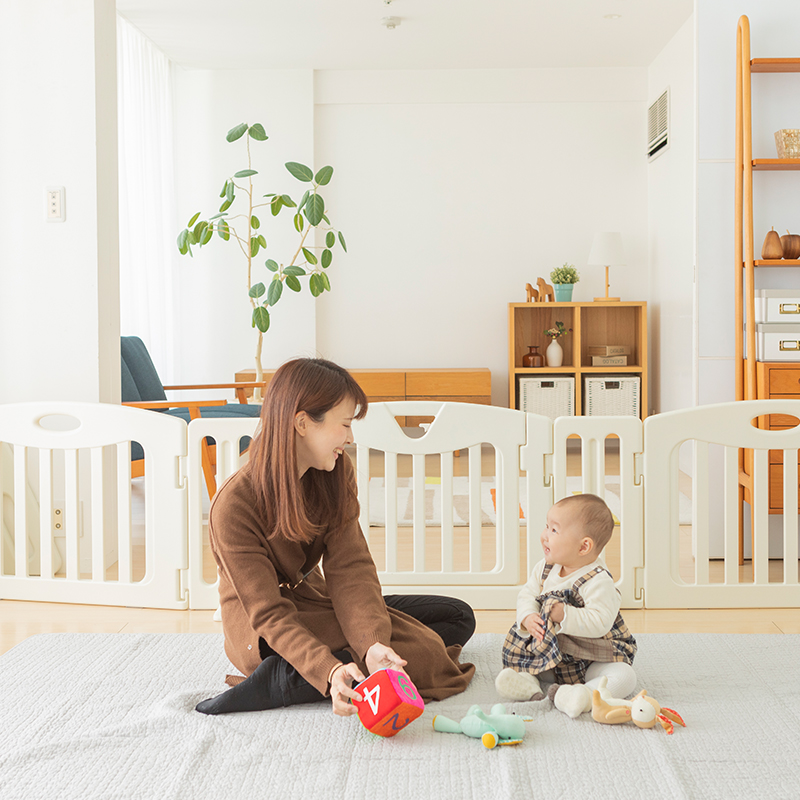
x,y
433,34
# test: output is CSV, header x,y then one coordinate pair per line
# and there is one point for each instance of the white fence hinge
x,y
183,584
547,470
638,468
638,584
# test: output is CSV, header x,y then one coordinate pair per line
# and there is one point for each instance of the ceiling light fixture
x,y
390,22
612,16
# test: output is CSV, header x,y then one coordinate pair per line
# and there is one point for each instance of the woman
x,y
296,634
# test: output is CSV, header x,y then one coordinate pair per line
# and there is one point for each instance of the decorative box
x,y
551,397
778,341
777,305
787,142
612,396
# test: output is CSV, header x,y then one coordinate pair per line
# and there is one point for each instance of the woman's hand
x,y
341,693
380,656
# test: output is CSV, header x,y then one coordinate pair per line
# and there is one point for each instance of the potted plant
x,y
244,229
554,352
563,279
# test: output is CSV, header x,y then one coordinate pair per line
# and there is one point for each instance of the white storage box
x,y
612,396
777,341
777,305
550,396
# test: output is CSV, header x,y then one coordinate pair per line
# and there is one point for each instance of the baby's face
x,y
561,538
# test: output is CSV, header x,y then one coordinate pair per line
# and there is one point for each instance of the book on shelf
x,y
609,361
608,350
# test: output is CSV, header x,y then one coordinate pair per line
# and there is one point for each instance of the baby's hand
x,y
534,624
557,612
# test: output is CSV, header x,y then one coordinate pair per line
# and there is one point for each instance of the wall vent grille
x,y
658,126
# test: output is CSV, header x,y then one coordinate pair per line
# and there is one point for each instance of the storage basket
x,y
550,396
787,142
612,396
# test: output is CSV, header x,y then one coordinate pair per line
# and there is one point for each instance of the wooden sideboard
x,y
463,385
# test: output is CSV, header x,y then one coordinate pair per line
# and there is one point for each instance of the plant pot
x,y
563,292
554,353
533,358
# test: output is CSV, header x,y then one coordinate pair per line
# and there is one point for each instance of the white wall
x,y
455,188
671,213
213,336
59,306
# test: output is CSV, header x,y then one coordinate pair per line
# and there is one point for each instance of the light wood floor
x,y
19,620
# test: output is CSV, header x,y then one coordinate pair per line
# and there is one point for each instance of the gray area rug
x,y
111,716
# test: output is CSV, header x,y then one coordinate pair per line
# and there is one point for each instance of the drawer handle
x,y
790,308
789,345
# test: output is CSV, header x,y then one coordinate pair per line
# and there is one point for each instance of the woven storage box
x,y
551,397
612,396
787,142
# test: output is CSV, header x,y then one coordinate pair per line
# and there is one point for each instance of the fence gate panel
x,y
227,435
67,532
595,479
701,580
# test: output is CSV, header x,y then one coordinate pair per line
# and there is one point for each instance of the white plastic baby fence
x,y
85,473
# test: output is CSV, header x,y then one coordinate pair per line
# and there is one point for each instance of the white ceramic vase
x,y
554,354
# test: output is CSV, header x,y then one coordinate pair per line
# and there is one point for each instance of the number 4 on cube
x,y
390,702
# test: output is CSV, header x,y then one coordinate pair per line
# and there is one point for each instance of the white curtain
x,y
147,226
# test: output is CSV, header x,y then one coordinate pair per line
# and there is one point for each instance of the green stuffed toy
x,y
492,729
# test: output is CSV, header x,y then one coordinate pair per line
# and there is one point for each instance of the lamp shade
x,y
607,250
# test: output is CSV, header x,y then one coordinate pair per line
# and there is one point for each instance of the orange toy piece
x,y
390,702
643,711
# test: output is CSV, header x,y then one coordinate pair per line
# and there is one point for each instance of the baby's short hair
x,y
595,517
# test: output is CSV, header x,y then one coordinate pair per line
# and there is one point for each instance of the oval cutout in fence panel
x,y
777,422
59,422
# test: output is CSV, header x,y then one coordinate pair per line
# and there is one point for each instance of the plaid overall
x,y
568,656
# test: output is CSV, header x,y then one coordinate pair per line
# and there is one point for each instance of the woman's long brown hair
x,y
294,510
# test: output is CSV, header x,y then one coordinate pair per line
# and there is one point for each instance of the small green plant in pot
x,y
564,278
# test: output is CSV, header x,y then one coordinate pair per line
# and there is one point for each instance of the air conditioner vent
x,y
658,126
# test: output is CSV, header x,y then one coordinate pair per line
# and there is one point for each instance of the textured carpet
x,y
111,716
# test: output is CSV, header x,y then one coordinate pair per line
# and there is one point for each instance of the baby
x,y
569,632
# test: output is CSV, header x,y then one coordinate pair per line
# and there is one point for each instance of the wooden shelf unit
x,y
756,380
616,323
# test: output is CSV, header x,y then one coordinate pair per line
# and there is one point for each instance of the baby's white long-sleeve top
x,y
600,596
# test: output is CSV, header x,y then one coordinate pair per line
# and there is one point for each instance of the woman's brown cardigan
x,y
323,614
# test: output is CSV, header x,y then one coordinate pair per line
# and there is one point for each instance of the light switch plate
x,y
55,205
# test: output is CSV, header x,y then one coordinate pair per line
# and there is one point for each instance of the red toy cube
x,y
390,702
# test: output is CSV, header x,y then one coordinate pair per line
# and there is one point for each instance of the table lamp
x,y
606,252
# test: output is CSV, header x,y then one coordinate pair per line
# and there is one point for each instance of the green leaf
x,y
182,237
261,319
323,176
224,231
262,241
191,238
304,200
237,132
216,216
325,219
199,230
192,220
315,208
209,233
257,132
257,290
244,173
327,257
325,281
310,257
271,265
300,171
330,239
271,194
254,245
229,193
255,222
314,284
293,283
274,292
224,189
294,271
276,205
226,205
298,223
341,241
287,201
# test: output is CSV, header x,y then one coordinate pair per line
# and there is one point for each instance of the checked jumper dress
x,y
568,656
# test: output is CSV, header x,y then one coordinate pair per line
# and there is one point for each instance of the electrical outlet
x,y
55,208
58,521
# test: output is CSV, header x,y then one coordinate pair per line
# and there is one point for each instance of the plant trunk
x,y
259,369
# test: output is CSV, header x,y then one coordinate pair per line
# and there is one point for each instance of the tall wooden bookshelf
x,y
619,323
